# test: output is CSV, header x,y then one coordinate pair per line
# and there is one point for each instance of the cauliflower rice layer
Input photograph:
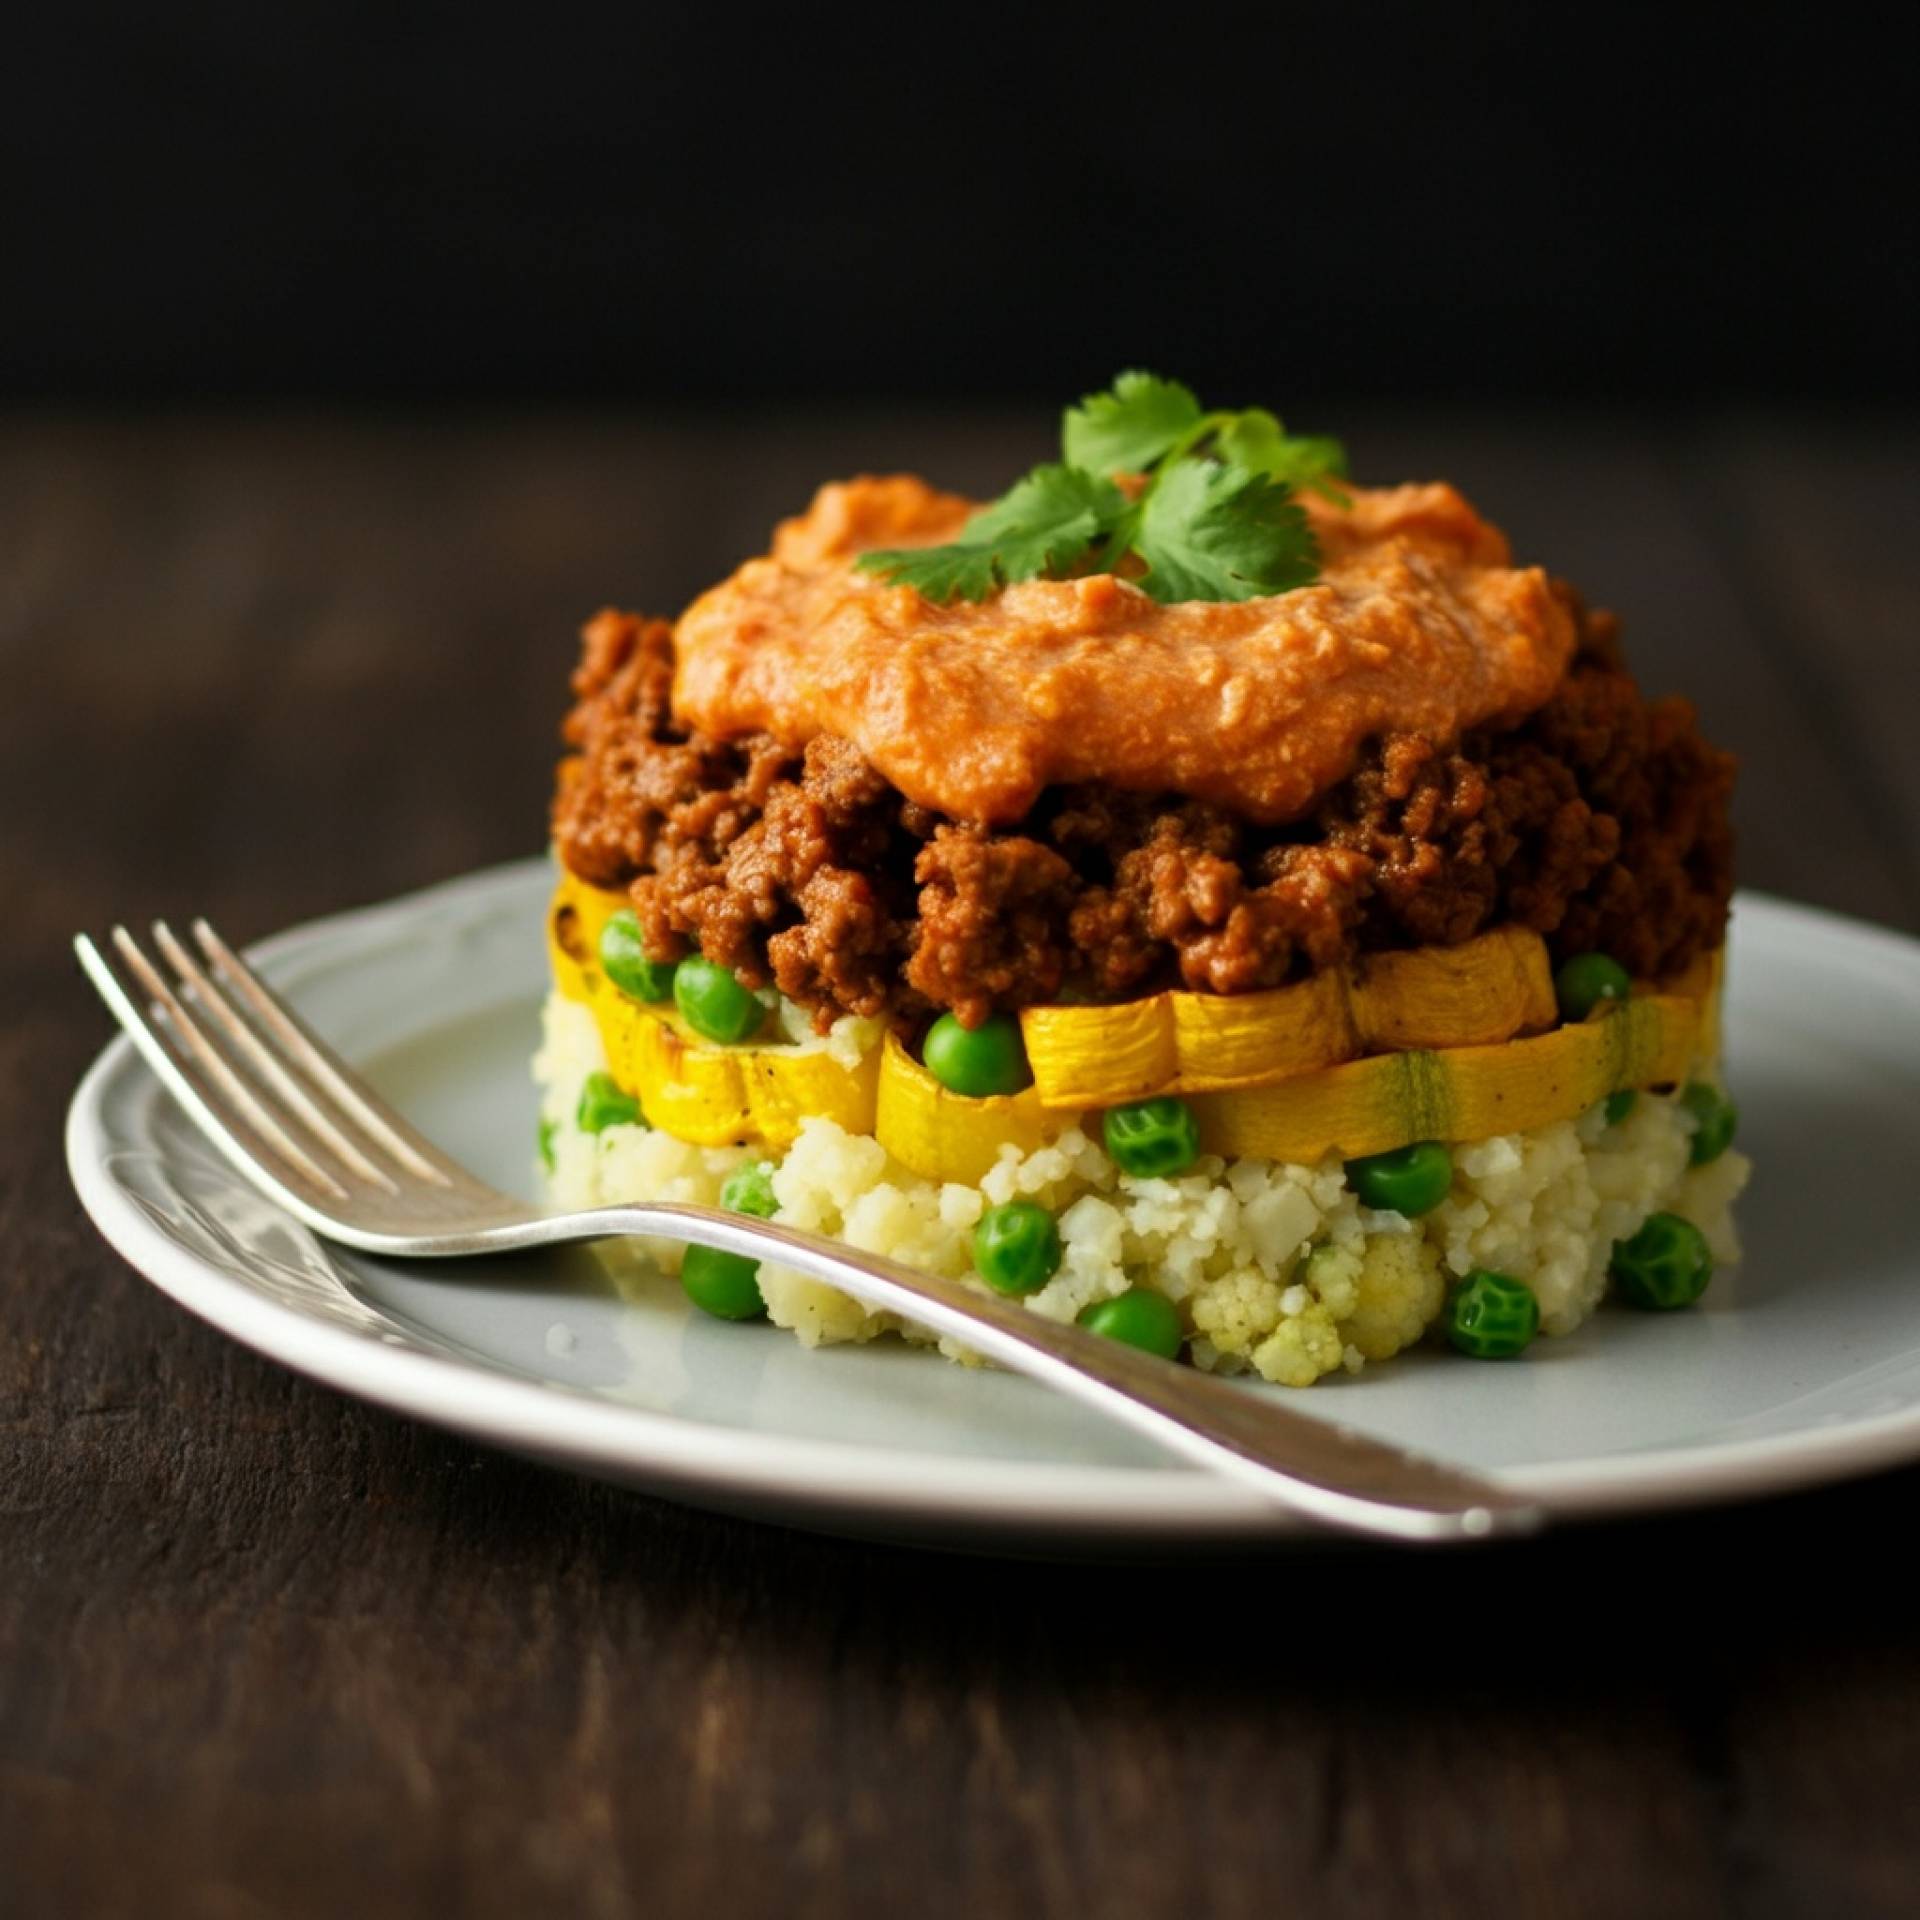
x,y
1277,1269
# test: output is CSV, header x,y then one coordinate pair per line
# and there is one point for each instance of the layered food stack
x,y
1233,908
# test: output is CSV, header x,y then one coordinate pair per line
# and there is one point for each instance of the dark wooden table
x,y
264,1651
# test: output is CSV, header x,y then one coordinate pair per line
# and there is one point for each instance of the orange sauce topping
x,y
1418,623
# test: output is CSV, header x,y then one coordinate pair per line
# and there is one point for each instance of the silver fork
x,y
304,1129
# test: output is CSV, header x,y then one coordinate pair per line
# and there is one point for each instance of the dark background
x,y
700,205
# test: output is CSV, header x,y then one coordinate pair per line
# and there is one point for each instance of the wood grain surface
x,y
264,1651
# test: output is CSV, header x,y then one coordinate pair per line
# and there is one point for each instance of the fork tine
x,y
295,1097
189,1066
352,1098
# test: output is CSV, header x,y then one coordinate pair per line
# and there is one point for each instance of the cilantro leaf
x,y
1214,532
1212,515
1129,427
1258,442
1041,524
956,572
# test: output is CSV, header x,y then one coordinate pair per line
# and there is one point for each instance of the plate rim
x,y
816,1480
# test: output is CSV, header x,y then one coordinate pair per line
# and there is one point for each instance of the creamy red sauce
x,y
1418,623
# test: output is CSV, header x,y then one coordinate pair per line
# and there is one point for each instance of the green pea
x,y
1408,1180
1152,1139
981,1061
1620,1105
1492,1316
1584,981
713,1003
726,1285
623,959
548,1128
603,1105
1665,1266
1141,1318
1016,1247
1716,1121
749,1189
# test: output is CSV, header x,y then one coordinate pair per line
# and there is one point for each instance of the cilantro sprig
x,y
1208,510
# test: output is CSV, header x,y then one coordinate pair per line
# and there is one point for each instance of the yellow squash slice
x,y
1358,1107
1460,1093
692,1088
946,1136
1476,994
713,1095
576,918
1481,992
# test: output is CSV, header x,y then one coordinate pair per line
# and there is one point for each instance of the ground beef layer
x,y
1600,821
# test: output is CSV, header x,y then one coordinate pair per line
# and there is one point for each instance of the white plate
x,y
1802,1367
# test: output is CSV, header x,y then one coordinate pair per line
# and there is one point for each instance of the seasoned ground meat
x,y
1600,821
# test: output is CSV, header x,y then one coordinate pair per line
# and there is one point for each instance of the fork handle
x,y
1325,1472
